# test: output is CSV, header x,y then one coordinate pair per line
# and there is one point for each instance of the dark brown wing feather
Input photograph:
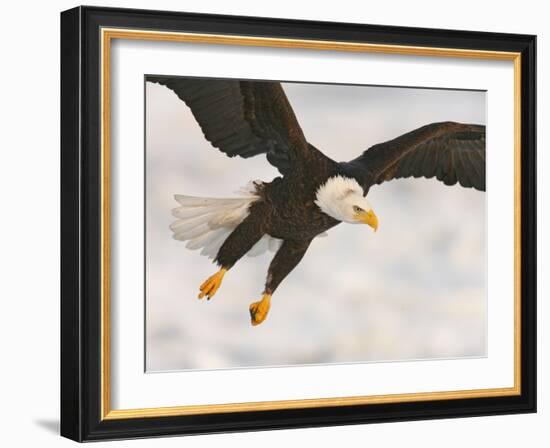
x,y
450,152
243,118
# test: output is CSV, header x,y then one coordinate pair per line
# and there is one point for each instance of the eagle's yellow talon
x,y
259,310
212,284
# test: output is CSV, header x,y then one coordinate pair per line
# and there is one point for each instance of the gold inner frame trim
x,y
107,35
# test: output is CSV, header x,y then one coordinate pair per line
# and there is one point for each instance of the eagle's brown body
x,y
246,118
298,219
278,214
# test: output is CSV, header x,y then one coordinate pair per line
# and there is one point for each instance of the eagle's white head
x,y
342,198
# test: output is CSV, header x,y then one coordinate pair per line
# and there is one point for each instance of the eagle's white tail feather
x,y
185,212
183,226
195,233
211,249
230,217
202,240
205,223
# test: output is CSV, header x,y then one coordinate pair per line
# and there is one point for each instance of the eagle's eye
x,y
357,209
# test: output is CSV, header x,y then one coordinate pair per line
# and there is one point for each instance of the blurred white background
x,y
413,290
29,330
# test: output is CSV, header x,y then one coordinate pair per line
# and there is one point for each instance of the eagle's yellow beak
x,y
368,218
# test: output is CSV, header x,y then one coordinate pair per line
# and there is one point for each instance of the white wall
x,y
29,240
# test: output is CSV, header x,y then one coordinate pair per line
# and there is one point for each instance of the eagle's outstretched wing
x,y
451,152
243,118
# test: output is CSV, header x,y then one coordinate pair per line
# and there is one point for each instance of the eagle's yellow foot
x,y
211,285
259,310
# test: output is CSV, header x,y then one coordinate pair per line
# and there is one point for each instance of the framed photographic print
x,y
275,224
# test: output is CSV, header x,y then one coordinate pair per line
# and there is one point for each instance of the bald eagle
x,y
314,192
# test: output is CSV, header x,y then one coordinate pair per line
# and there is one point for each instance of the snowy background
x,y
413,290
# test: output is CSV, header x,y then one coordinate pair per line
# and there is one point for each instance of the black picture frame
x,y
81,224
